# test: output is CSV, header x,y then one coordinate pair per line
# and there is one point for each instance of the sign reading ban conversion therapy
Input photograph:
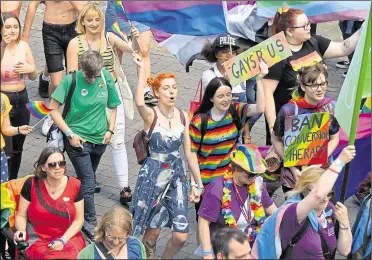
x,y
306,139
246,65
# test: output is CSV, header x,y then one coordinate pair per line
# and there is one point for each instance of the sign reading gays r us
x,y
306,139
246,65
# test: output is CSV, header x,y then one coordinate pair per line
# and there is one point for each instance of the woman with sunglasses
x,y
112,240
306,49
238,199
53,203
86,127
91,30
311,99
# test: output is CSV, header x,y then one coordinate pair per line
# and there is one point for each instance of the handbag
x,y
194,104
141,141
125,91
55,135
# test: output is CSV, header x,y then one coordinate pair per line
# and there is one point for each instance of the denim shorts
x,y
111,17
3,167
56,38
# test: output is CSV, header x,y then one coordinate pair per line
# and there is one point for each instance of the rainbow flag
x,y
367,106
116,28
38,109
10,194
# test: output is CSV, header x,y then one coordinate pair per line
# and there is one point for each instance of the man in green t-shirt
x,y
86,128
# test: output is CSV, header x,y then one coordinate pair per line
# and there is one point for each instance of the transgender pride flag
x,y
319,11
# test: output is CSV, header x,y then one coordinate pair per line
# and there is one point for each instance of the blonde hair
x,y
88,10
309,176
115,218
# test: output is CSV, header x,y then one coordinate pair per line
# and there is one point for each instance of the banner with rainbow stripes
x,y
306,139
38,109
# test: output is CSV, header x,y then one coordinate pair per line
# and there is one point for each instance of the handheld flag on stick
x,y
116,28
39,110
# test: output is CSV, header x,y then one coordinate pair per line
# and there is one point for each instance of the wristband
x,y
344,228
68,132
207,252
201,188
63,240
271,126
333,170
338,162
193,184
108,130
18,130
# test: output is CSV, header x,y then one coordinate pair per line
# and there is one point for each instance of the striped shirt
x,y
218,142
107,55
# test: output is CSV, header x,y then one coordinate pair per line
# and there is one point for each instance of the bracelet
x,y
63,240
112,132
247,137
68,132
193,184
344,228
208,252
339,163
271,126
18,130
333,170
201,188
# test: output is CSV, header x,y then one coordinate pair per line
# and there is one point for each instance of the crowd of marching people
x,y
228,176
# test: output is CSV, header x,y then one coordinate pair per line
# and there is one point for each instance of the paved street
x,y
162,61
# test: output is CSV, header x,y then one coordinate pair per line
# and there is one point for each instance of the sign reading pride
x,y
246,65
306,139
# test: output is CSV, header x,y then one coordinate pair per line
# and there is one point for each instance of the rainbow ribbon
x,y
38,109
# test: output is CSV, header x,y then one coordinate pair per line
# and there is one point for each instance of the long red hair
x,y
285,20
155,83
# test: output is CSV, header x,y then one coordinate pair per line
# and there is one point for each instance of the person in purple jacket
x,y
312,214
238,199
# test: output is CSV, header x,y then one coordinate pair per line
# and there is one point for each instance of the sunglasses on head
x,y
53,165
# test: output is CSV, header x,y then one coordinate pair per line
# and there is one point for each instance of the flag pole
x,y
131,25
40,120
225,14
356,111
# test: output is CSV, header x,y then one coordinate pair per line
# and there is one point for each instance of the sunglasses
x,y
329,195
53,165
112,238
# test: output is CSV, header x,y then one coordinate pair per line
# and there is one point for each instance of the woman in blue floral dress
x,y
160,197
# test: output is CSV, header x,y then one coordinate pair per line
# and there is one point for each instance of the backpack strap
x,y
152,124
286,253
182,115
203,128
235,117
69,95
325,248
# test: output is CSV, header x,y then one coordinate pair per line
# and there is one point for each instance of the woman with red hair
x,y
307,49
160,197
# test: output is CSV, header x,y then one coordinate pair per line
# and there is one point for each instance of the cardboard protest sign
x,y
246,65
306,139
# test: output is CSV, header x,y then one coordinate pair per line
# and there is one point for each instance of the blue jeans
x,y
250,89
85,162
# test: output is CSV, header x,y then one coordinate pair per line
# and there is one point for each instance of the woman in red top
x,y
53,203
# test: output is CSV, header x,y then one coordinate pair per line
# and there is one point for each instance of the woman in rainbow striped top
x,y
214,129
